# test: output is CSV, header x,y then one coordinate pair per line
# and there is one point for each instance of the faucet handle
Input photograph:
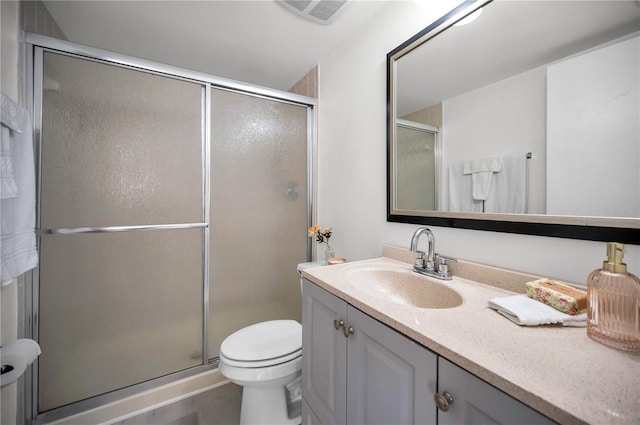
x,y
419,259
443,263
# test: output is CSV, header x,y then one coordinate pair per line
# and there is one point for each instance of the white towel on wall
x,y
17,231
8,186
508,193
482,170
9,114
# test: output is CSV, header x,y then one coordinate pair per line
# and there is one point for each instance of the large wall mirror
x,y
519,116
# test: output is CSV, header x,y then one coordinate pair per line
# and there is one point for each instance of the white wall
x,y
587,183
352,165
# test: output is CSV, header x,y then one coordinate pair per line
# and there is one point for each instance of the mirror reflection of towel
x,y
460,199
507,190
482,171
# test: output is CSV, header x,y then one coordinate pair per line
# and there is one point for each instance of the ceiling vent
x,y
319,11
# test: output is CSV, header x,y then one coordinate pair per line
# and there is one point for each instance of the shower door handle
x,y
114,229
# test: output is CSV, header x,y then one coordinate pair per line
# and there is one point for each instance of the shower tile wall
x,y
37,19
308,85
431,115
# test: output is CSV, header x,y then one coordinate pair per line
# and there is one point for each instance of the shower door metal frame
x,y
36,46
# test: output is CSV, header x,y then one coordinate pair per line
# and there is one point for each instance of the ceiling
x,y
508,38
254,41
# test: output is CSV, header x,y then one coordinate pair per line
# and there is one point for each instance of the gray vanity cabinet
x,y
390,378
476,402
324,355
357,370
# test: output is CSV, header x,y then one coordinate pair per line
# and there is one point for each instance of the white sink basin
x,y
402,286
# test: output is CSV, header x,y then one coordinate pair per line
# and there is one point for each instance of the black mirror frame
x,y
569,231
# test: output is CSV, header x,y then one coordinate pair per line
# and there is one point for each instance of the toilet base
x,y
265,406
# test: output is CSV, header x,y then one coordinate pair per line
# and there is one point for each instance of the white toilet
x,y
266,360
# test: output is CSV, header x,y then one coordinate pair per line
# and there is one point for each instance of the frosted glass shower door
x,y
259,211
416,169
120,150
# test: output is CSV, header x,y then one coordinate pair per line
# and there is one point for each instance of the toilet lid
x,y
262,341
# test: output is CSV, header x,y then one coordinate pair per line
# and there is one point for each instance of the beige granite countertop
x,y
556,370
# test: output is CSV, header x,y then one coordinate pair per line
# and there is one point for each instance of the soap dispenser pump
x,y
613,315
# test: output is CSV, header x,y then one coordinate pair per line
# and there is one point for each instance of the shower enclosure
x,y
173,209
417,166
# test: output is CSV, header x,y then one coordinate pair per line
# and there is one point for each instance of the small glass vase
x,y
329,253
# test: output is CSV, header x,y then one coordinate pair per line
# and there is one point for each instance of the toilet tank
x,y
309,265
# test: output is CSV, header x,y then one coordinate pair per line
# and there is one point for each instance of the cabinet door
x,y
324,354
477,402
391,379
308,417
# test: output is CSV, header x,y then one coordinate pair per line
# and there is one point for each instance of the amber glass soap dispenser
x,y
613,315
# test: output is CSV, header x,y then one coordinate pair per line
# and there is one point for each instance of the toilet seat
x,y
262,377
263,344
260,363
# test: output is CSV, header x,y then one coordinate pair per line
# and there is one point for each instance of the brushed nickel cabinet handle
x,y
443,401
347,331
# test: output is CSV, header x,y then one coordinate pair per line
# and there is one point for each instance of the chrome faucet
x,y
430,247
428,267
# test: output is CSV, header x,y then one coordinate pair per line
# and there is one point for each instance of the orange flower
x,y
322,234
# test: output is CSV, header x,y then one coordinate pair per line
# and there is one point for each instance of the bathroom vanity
x,y
381,354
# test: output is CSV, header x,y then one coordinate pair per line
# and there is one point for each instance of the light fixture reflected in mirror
x,y
467,20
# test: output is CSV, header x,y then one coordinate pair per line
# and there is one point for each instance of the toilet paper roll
x,y
15,357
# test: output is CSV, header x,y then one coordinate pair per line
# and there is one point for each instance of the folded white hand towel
x,y
526,311
480,165
480,185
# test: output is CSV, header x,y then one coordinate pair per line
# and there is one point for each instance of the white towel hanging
x,y
482,170
17,234
509,187
460,189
